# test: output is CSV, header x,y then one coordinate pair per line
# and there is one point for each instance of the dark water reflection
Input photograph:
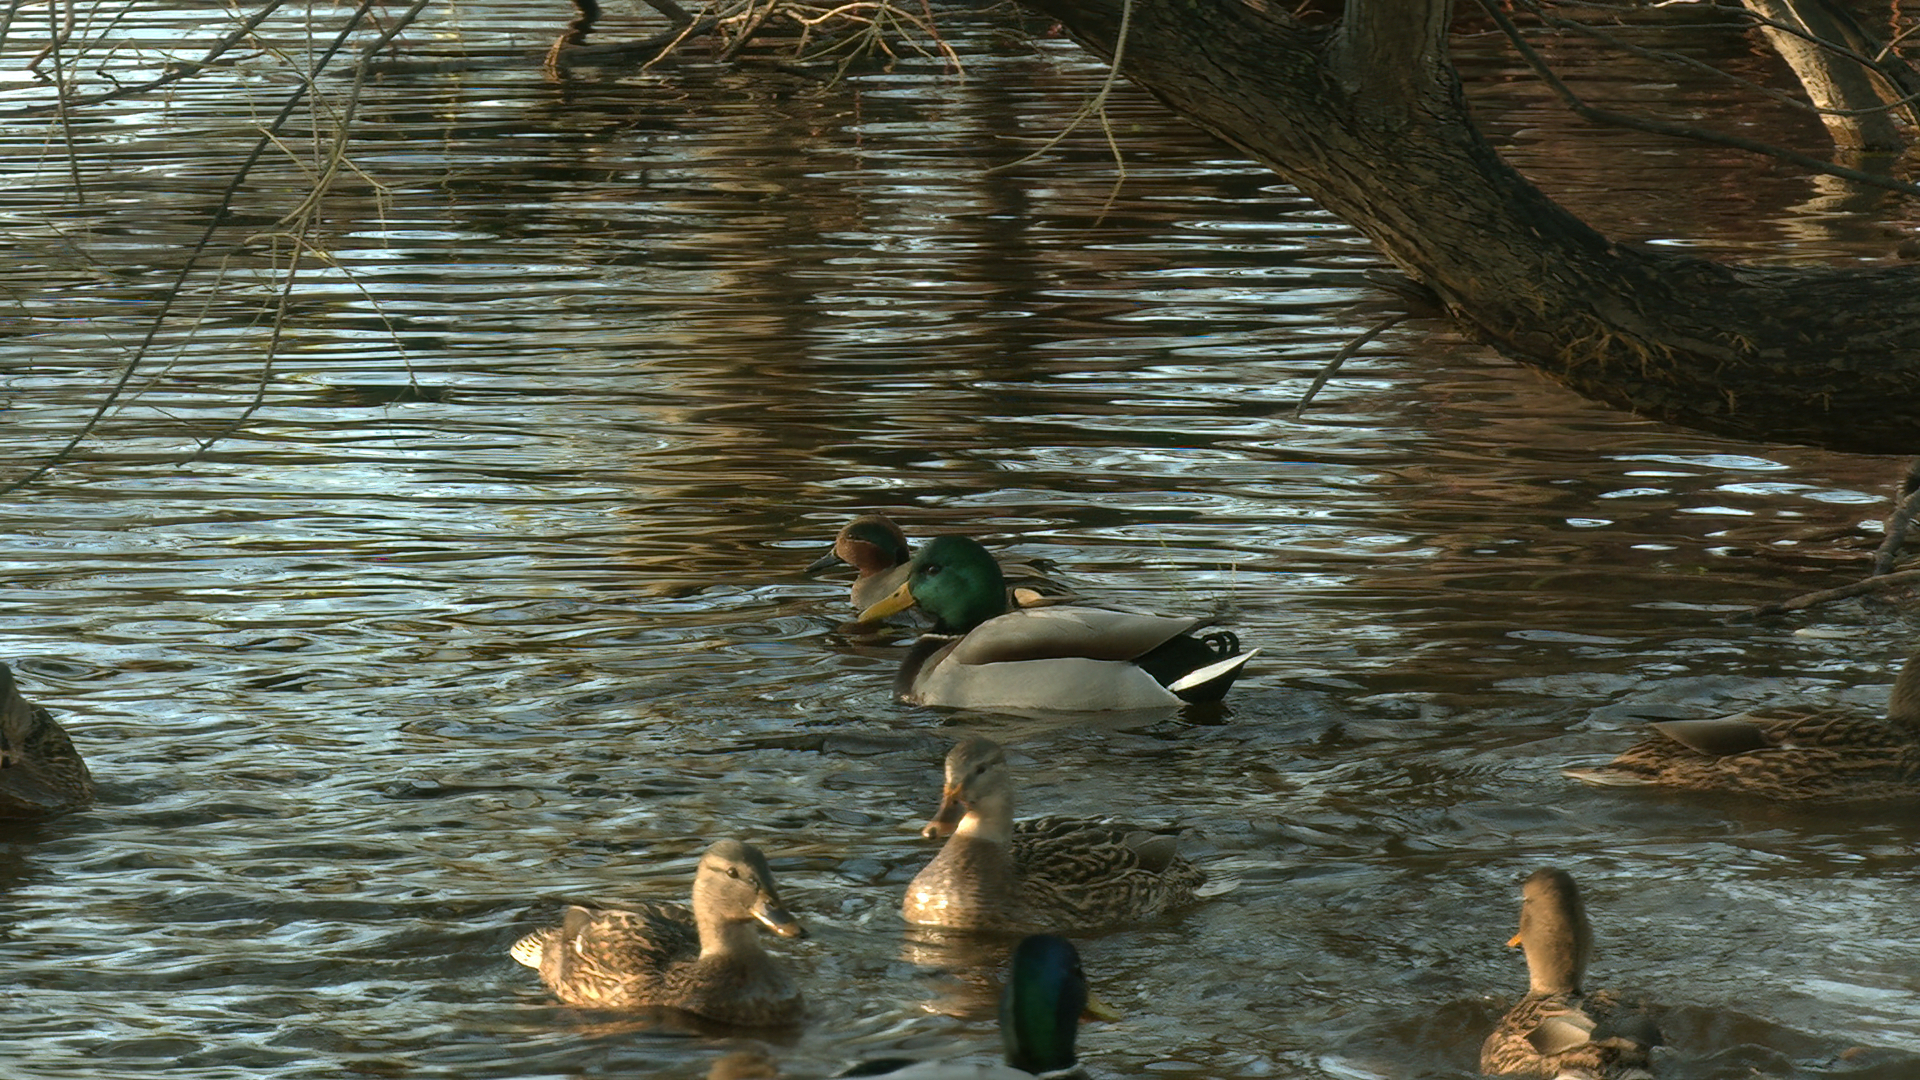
x,y
385,669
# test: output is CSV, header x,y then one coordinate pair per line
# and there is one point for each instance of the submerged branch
x,y
1878,584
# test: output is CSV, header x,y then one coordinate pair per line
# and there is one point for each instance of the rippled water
x,y
377,675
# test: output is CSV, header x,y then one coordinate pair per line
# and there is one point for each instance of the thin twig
x,y
57,37
932,28
1094,106
674,38
65,118
1340,357
755,21
1882,583
281,307
304,215
175,71
675,14
159,318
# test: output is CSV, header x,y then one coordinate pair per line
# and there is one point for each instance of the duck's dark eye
x,y
733,872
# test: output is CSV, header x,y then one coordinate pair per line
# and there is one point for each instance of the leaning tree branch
x,y
1822,355
1668,56
1580,108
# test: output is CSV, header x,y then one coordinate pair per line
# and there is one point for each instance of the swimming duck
x,y
1826,755
1558,1030
982,655
873,545
1040,1011
1052,872
706,961
40,771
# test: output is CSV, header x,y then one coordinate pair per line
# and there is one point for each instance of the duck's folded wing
x,y
1723,737
642,933
1051,633
1560,1032
1079,849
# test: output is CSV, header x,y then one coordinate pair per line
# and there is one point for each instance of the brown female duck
x,y
706,961
1827,755
40,771
1058,873
1559,1030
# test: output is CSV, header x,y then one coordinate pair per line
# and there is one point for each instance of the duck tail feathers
x,y
1604,777
1210,683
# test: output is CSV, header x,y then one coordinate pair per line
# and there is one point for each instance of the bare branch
x,y
260,147
1881,583
1341,357
174,73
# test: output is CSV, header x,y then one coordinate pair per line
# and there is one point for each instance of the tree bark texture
x,y
1367,117
1854,108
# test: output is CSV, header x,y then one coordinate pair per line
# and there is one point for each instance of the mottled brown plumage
x,y
1048,873
1827,755
40,771
1558,1030
706,961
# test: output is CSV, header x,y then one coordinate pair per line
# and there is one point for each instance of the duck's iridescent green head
x,y
955,581
1040,1009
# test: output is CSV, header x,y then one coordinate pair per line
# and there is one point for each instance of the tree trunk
x,y
1366,116
1853,105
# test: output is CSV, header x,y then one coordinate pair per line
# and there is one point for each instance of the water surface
x,y
496,596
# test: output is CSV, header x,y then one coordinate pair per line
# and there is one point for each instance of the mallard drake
x,y
706,961
982,655
1558,1030
1059,873
40,771
1826,755
1040,1011
873,545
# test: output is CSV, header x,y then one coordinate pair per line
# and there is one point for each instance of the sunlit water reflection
x,y
381,672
